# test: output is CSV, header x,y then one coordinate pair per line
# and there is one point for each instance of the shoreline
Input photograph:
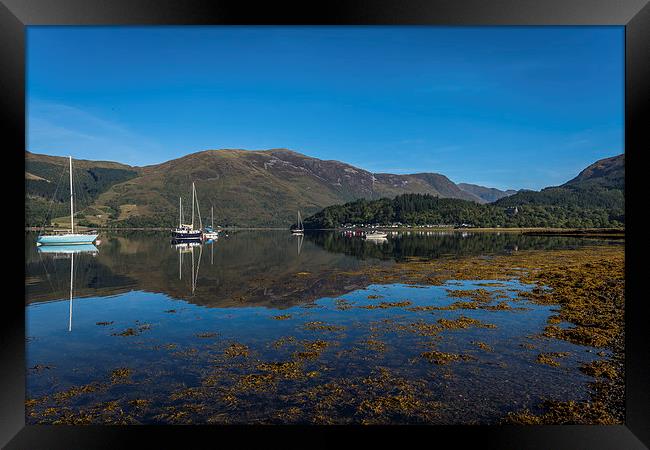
x,y
155,228
535,231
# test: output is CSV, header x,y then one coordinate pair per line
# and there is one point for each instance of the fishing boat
x,y
301,229
65,237
376,235
209,232
187,232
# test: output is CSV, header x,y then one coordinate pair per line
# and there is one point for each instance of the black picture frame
x,y
634,15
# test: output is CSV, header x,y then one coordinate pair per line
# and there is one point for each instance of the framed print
x,y
395,217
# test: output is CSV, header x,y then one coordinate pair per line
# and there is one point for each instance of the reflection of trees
x,y
437,244
269,268
47,276
245,268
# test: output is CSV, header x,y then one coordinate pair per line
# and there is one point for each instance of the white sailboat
x,y
301,229
210,232
68,238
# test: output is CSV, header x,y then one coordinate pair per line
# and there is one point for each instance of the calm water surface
x,y
254,328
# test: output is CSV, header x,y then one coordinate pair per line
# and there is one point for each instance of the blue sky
x,y
506,107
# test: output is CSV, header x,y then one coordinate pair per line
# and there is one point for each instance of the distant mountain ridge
x,y
600,186
593,199
485,194
607,172
245,187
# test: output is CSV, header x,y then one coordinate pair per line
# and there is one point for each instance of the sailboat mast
x,y
212,214
192,205
180,212
198,213
71,200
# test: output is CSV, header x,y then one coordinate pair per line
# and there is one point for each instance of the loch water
x,y
256,328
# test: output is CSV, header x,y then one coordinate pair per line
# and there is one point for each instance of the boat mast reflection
x,y
188,247
300,239
62,251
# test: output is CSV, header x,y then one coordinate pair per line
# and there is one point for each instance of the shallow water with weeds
x,y
305,335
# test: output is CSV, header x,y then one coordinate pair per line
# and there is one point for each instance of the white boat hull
x,y
66,239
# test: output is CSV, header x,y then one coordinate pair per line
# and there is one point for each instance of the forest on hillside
x,y
425,209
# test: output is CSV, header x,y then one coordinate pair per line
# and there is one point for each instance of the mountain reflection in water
x,y
266,327
255,268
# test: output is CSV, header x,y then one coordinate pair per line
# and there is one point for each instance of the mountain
x,y
266,187
600,186
608,173
47,189
485,194
593,199
246,188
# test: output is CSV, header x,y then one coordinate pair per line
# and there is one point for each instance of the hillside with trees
x,y
425,209
594,199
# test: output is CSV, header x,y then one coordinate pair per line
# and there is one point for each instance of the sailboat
x,y
67,238
301,229
186,232
209,232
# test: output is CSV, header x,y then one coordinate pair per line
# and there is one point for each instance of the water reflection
x,y
269,268
436,244
187,248
67,252
67,249
300,238
355,343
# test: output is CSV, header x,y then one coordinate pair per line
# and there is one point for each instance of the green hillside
x,y
599,187
267,188
425,209
47,188
246,188
594,199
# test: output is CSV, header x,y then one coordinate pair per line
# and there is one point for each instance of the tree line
x,y
426,209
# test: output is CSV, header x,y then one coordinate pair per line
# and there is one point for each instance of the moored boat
x,y
300,230
209,232
64,237
67,239
376,235
187,232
